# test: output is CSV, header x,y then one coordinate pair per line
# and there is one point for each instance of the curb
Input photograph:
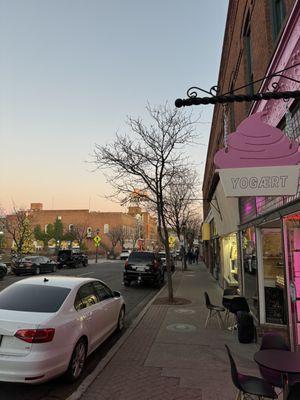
x,y
102,364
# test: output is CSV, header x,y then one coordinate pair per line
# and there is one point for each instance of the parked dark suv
x,y
144,266
71,258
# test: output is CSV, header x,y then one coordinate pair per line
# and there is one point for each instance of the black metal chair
x,y
213,311
294,393
250,385
272,340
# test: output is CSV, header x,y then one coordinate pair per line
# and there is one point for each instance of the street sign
x,y
97,240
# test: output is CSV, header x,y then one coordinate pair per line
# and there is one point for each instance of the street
x,y
135,298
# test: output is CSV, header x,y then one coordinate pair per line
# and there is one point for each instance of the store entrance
x,y
273,274
291,224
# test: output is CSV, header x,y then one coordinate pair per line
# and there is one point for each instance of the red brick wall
x,y
233,66
95,220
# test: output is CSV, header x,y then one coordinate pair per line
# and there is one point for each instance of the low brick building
x,y
136,224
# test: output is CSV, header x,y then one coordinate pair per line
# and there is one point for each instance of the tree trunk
x,y
164,237
168,260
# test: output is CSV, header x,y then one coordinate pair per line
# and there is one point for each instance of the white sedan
x,y
48,326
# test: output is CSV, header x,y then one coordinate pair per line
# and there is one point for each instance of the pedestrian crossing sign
x,y
97,240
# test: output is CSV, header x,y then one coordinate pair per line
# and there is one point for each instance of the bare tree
x,y
116,235
18,227
78,232
193,230
147,160
180,197
179,204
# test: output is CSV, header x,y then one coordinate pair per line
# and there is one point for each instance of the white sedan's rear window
x,y
33,298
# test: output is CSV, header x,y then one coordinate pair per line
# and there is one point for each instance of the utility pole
x,y
97,240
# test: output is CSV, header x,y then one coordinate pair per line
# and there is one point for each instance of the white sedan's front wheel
x,y
77,362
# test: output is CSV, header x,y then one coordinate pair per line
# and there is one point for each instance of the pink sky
x,y
65,89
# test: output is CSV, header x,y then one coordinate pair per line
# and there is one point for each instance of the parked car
x,y
162,255
144,266
33,265
71,258
49,326
124,255
3,270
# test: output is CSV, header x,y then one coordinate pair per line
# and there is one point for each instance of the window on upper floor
x,y
277,16
295,123
89,232
248,57
46,228
106,228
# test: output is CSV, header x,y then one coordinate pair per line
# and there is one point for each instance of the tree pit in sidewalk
x,y
177,301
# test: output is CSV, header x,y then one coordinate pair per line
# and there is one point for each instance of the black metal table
x,y
285,362
229,297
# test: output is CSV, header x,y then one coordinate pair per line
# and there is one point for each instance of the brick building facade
x,y
136,224
249,24
252,243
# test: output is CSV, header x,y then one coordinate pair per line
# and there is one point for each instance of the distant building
x,y
135,225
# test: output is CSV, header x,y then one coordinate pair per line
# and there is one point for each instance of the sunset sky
x,y
72,70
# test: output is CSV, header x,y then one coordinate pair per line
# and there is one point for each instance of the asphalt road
x,y
136,298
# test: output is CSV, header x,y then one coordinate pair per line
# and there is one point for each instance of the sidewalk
x,y
171,356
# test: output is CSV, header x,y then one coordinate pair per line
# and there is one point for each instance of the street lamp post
x,y
183,228
1,239
138,224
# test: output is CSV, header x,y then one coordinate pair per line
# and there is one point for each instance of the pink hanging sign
x,y
260,160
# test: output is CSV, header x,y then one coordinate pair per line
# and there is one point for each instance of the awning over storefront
x,y
209,217
225,211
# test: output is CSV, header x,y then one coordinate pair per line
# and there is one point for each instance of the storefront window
x,y
229,259
250,269
292,257
273,272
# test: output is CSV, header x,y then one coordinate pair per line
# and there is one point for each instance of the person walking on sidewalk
x,y
190,256
197,255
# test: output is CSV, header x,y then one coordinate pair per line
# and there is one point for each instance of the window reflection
x,y
250,269
274,282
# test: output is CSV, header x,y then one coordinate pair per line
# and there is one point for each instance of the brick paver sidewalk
x,y
171,356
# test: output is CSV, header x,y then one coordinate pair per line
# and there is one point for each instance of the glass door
x,y
273,274
291,225
250,272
